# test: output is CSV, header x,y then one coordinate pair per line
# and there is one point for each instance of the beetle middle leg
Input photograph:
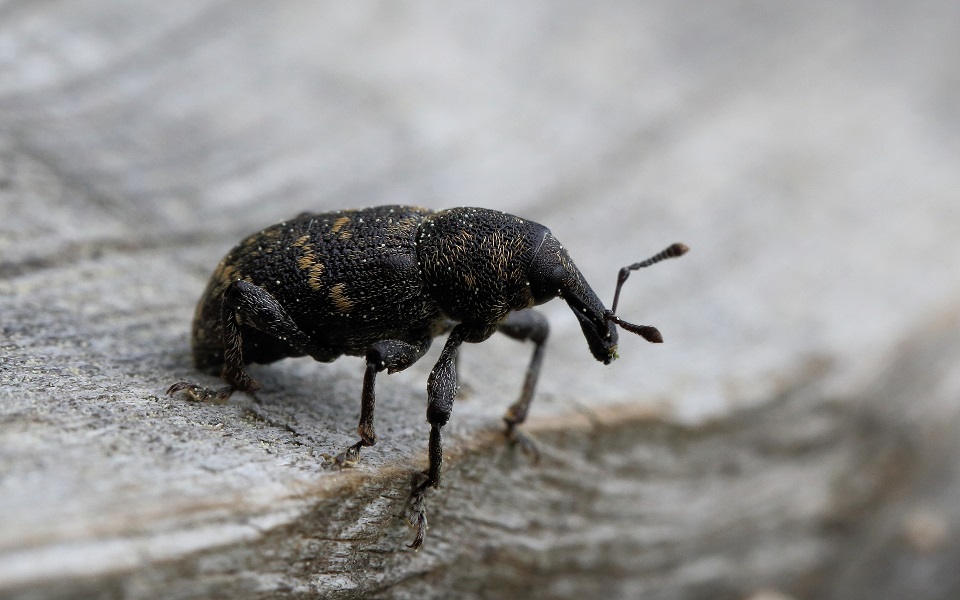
x,y
389,355
525,325
249,305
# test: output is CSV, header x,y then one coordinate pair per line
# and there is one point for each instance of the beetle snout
x,y
609,342
601,339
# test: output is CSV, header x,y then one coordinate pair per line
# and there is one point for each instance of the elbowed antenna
x,y
651,334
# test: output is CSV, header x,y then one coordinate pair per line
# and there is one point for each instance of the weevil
x,y
381,283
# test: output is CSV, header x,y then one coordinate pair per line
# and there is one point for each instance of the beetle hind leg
x,y
253,307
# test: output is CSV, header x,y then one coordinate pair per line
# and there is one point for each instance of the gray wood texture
x,y
796,435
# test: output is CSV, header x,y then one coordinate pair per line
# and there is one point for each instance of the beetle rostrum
x,y
381,283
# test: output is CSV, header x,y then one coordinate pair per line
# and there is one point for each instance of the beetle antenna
x,y
671,251
647,332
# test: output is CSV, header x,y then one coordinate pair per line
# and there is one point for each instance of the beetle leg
x,y
247,304
250,305
199,393
389,355
441,389
525,325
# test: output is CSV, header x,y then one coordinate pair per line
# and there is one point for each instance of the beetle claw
x,y
198,393
416,510
418,522
516,437
346,459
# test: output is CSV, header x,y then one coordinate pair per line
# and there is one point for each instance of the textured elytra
x,y
346,278
351,278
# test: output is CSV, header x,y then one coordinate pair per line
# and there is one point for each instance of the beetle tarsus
x,y
199,393
416,508
348,458
517,437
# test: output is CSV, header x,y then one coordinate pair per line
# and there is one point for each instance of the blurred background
x,y
808,152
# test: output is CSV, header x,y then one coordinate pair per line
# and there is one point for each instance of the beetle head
x,y
553,274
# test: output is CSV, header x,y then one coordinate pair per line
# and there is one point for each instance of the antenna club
x,y
671,251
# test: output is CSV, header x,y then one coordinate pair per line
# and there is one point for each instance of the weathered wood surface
x,y
797,432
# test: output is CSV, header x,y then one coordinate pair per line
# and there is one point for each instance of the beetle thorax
x,y
475,261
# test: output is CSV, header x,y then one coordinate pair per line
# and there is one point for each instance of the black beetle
x,y
381,283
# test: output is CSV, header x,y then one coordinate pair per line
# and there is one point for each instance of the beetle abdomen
x,y
347,279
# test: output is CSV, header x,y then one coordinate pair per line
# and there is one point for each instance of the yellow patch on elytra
x,y
402,227
339,225
340,299
315,276
308,262
226,274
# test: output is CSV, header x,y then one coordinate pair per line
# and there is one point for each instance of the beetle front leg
x,y
525,325
391,356
441,389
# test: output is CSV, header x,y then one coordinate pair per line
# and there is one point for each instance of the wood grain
x,y
795,433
